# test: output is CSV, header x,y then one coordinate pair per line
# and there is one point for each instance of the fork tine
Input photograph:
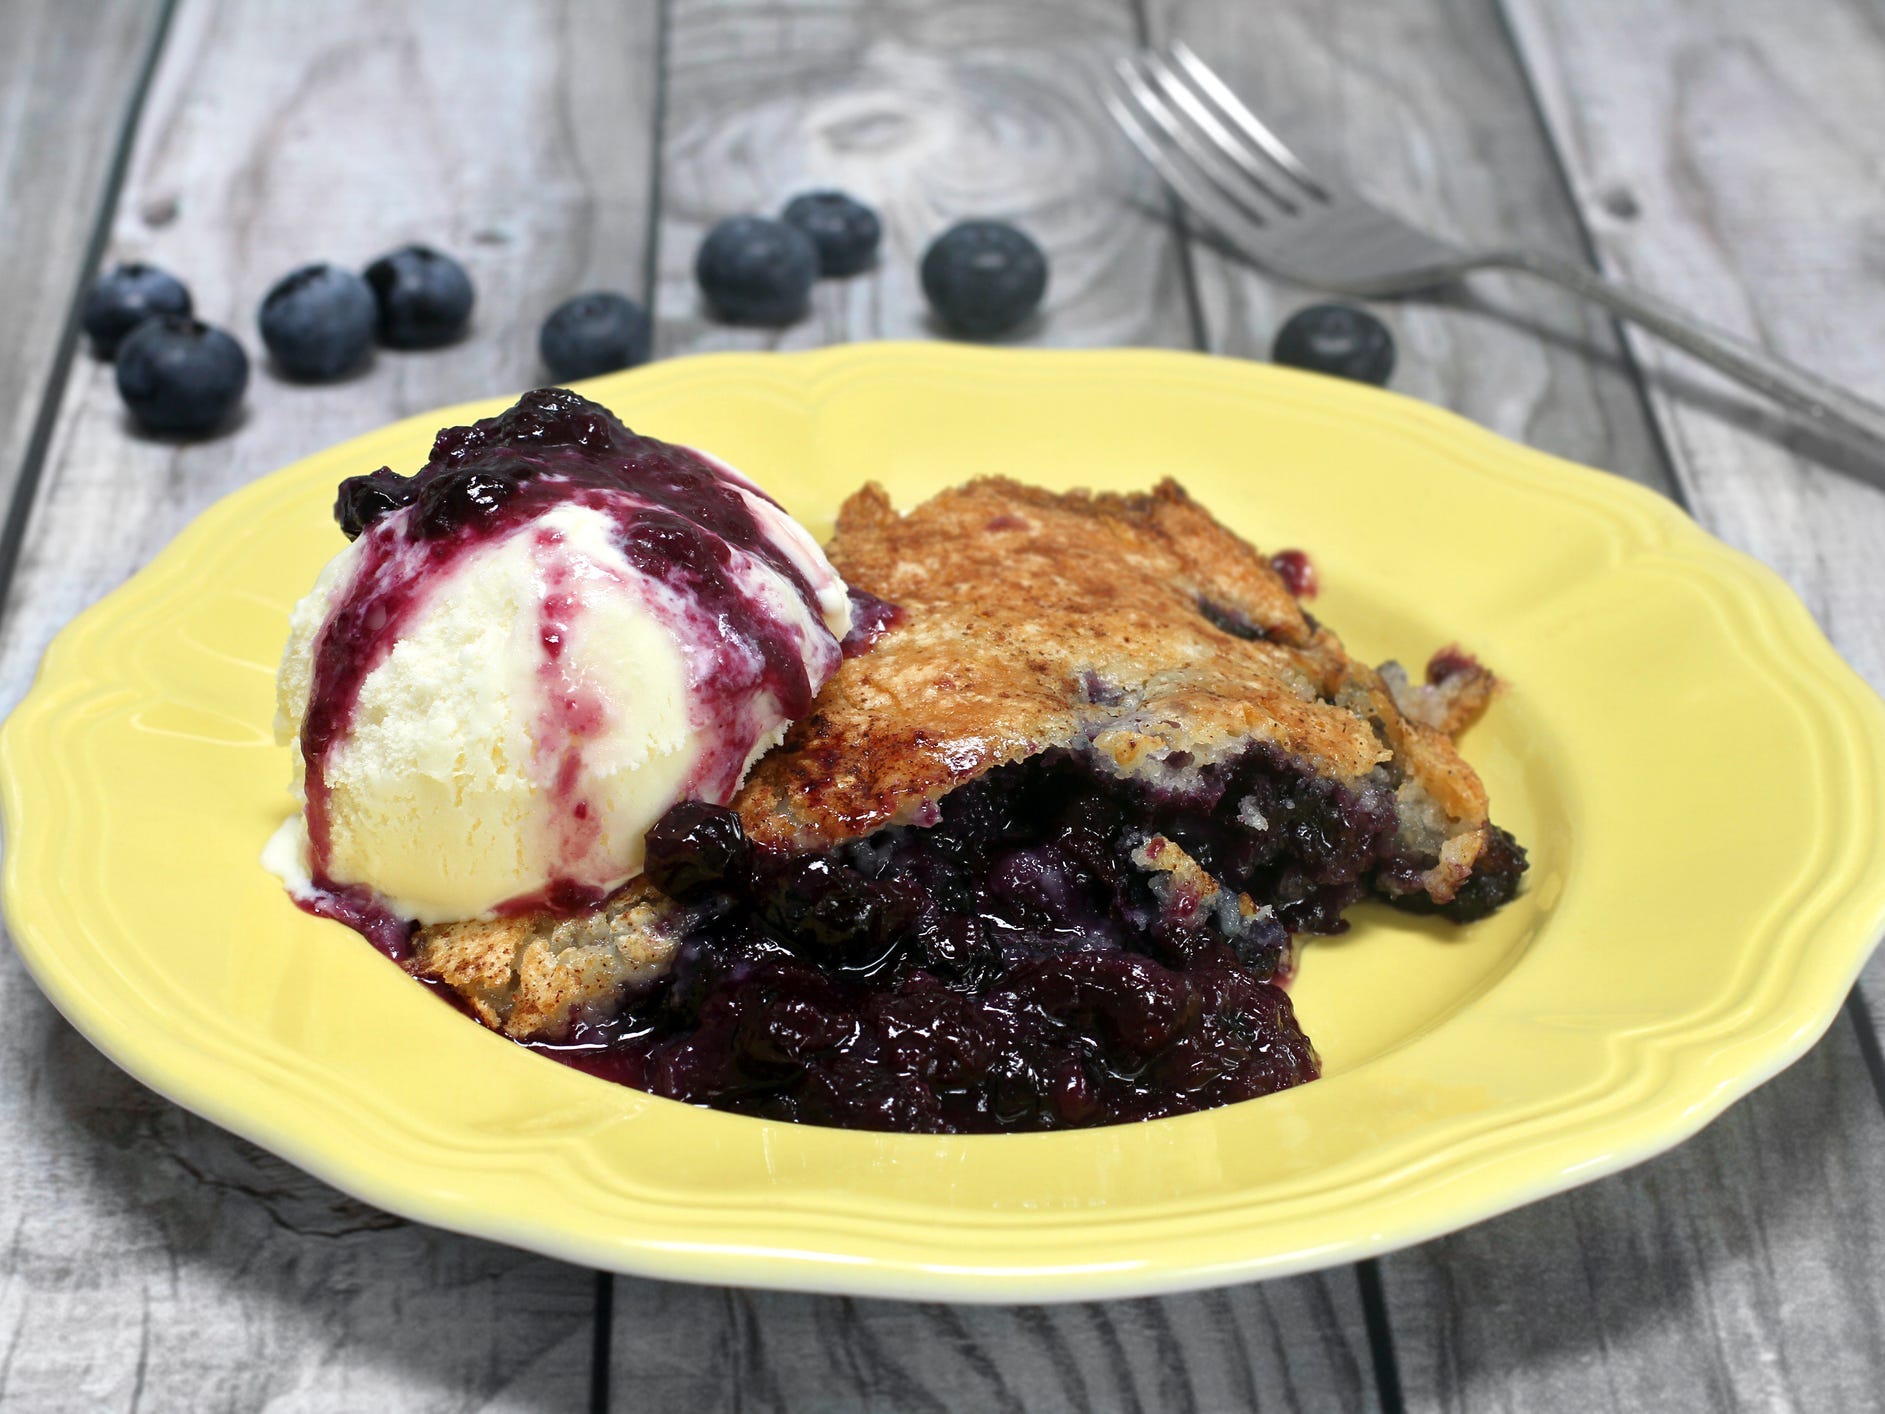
x,y
1253,127
1193,192
1207,161
1205,157
1173,87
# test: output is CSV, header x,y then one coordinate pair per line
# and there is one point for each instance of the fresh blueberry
x,y
594,333
179,375
424,297
1338,339
984,277
318,322
755,271
124,297
845,230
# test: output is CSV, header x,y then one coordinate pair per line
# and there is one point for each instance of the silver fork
x,y
1224,163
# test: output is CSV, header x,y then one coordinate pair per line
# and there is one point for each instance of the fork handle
x,y
1829,406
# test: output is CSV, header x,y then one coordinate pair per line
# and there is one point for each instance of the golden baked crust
x,y
536,974
1035,620
1135,630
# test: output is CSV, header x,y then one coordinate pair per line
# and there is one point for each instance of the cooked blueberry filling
x,y
1231,621
1493,884
1021,964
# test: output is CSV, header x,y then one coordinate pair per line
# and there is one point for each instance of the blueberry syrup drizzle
x,y
359,633
871,619
361,910
681,520
572,711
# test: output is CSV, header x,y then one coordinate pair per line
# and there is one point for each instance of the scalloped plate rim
x,y
1667,1123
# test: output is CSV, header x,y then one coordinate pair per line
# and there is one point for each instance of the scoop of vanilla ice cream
x,y
545,702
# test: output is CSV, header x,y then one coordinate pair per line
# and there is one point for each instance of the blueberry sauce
x,y
1008,968
1014,966
573,709
871,619
1297,571
361,910
1450,662
711,541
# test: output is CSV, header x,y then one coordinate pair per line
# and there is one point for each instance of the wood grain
x,y
1715,154
67,72
1740,1271
1731,160
1577,1302
154,1258
1290,1345
1424,108
931,113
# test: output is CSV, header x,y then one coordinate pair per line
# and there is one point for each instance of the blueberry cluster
x,y
175,373
982,278
320,321
179,375
757,270
752,270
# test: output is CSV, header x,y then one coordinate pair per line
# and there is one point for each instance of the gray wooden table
x,y
1728,156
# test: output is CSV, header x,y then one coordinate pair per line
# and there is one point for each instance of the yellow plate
x,y
1696,772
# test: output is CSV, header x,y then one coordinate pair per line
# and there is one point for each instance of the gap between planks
x,y
45,418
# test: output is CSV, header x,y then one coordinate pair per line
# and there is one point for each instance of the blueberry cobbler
x,y
1072,774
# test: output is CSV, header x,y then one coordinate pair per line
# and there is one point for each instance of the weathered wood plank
x,y
1287,1345
934,113
152,1256
1730,160
1427,108
1726,161
918,1356
155,1261
66,74
1740,1271
1423,107
931,113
